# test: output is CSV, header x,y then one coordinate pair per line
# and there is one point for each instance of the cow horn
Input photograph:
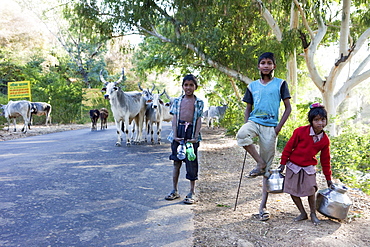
x,y
164,91
168,97
102,78
140,87
153,88
121,77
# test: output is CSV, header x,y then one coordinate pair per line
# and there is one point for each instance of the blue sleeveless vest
x,y
266,102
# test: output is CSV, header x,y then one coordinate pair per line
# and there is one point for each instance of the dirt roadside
x,y
216,222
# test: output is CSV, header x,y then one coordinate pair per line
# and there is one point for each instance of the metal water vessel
x,y
333,202
275,181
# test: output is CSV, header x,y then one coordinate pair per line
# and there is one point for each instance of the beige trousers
x,y
267,141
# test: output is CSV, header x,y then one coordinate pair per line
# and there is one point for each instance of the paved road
x,y
76,188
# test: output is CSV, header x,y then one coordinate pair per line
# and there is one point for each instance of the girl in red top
x,y
299,157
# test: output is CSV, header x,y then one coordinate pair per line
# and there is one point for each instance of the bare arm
x,y
247,112
197,130
287,111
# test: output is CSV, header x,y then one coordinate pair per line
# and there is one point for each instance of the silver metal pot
x,y
275,182
333,202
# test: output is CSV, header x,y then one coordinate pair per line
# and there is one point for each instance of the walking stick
x,y
241,176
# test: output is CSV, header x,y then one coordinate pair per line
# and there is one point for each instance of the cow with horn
x,y
125,106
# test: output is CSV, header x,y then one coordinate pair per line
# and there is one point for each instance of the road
x,y
76,188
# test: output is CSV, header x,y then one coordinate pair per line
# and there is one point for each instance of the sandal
x,y
172,196
264,215
190,199
256,172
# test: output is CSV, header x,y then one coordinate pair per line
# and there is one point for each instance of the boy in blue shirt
x,y
263,98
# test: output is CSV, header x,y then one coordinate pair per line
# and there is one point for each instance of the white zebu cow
x,y
125,106
172,99
156,113
42,108
14,109
214,113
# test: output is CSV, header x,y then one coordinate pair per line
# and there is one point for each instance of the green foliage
x,y
350,153
233,119
297,118
52,87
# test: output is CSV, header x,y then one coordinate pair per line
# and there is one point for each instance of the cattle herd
x,y
139,109
25,109
101,114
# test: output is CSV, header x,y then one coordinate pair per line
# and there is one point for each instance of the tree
x,y
80,38
226,36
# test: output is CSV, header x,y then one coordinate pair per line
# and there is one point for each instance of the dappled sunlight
x,y
169,216
13,178
11,155
56,193
99,166
216,146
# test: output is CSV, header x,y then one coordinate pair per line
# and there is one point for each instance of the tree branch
x,y
349,85
344,28
304,20
230,72
270,20
310,54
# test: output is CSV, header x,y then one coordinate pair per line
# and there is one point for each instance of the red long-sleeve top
x,y
302,150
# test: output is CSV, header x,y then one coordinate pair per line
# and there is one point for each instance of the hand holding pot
x,y
329,183
281,168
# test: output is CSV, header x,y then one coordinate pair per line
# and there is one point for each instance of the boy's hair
x,y
190,77
269,55
317,110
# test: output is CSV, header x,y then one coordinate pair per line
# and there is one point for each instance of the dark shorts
x,y
191,166
182,133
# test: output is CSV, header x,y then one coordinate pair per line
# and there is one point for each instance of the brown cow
x,y
103,118
94,115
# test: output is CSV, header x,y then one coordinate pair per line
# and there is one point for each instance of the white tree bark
x,y
344,30
292,60
332,99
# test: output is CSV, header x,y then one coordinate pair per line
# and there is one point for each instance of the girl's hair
x,y
269,55
317,109
190,77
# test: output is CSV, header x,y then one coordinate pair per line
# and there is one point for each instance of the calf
x,y
14,109
156,113
103,118
41,108
94,115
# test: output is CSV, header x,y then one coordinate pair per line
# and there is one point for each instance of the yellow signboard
x,y
19,89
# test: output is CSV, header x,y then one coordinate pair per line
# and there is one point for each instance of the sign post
x,y
19,89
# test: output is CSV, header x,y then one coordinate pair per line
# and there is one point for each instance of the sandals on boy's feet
x,y
172,196
256,172
264,215
190,199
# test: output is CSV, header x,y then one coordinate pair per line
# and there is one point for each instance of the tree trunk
x,y
328,100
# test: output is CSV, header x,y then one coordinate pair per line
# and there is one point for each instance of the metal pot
x,y
275,182
333,202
